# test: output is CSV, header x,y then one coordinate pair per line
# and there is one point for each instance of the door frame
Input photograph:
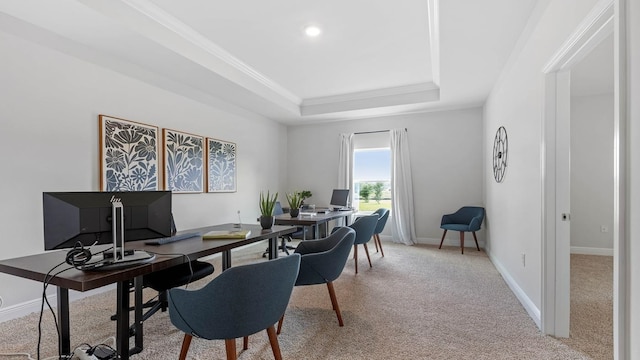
x,y
555,277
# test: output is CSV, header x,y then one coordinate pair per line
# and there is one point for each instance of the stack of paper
x,y
226,234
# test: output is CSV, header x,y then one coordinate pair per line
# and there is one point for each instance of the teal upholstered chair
x,y
322,262
239,302
364,226
466,219
383,216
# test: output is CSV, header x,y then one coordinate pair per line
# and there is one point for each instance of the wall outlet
x,y
523,258
604,228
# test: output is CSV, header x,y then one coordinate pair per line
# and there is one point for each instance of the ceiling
x,y
373,58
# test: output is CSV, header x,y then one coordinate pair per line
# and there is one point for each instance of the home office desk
x,y
314,220
36,267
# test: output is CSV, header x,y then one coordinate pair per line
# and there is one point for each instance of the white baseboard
x,y
526,302
591,251
32,306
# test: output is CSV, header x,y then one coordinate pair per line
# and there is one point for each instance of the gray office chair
x,y
382,221
239,302
277,210
322,262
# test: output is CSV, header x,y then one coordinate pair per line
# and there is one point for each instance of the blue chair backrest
x,y
383,215
469,215
277,210
364,227
241,301
323,260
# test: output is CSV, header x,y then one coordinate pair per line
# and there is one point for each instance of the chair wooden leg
x,y
245,343
441,241
185,346
334,302
462,242
280,324
476,239
379,244
375,242
273,339
366,250
230,345
355,256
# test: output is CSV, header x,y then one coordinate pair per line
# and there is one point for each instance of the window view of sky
x,y
372,165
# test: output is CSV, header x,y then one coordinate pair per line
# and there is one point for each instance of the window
x,y
372,179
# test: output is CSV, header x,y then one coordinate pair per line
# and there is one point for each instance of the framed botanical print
x,y
128,155
183,161
221,166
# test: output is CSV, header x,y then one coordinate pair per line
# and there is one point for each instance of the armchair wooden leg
x,y
441,241
230,345
273,339
245,343
375,242
185,346
377,236
280,324
366,250
462,242
476,239
355,256
334,302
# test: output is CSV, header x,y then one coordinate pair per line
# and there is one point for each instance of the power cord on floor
x,y
28,356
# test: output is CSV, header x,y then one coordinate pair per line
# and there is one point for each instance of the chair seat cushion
x,y
178,275
455,227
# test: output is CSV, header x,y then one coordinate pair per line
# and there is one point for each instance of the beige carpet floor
x,y
591,324
417,302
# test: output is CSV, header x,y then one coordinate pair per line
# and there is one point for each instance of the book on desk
x,y
226,234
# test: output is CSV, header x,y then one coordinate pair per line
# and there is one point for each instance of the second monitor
x,y
339,199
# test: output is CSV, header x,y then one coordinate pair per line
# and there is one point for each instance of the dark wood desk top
x,y
35,267
307,220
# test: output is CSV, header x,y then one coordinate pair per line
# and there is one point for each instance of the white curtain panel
x,y
345,164
402,215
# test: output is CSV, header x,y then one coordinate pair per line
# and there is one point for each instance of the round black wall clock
x,y
500,145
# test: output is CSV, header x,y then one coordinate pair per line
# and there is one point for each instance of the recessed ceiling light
x,y
312,30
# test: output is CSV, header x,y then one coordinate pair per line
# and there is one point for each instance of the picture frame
x,y
128,155
221,166
183,161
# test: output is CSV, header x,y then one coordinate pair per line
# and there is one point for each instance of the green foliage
x,y
377,191
305,194
267,203
365,192
295,200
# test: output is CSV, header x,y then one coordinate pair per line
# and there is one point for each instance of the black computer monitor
x,y
339,198
86,217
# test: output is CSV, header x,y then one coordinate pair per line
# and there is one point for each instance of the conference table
x,y
37,267
314,220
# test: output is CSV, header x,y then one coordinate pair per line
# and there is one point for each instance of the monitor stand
x,y
119,258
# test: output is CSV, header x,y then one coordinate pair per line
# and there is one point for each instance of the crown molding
x,y
401,95
188,36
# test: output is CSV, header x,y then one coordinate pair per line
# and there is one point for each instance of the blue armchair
x,y
364,226
466,219
322,262
383,215
239,302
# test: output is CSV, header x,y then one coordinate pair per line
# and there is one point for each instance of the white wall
x,y
49,141
446,160
592,174
516,102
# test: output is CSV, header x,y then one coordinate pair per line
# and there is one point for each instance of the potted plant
x,y
267,204
295,202
305,194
